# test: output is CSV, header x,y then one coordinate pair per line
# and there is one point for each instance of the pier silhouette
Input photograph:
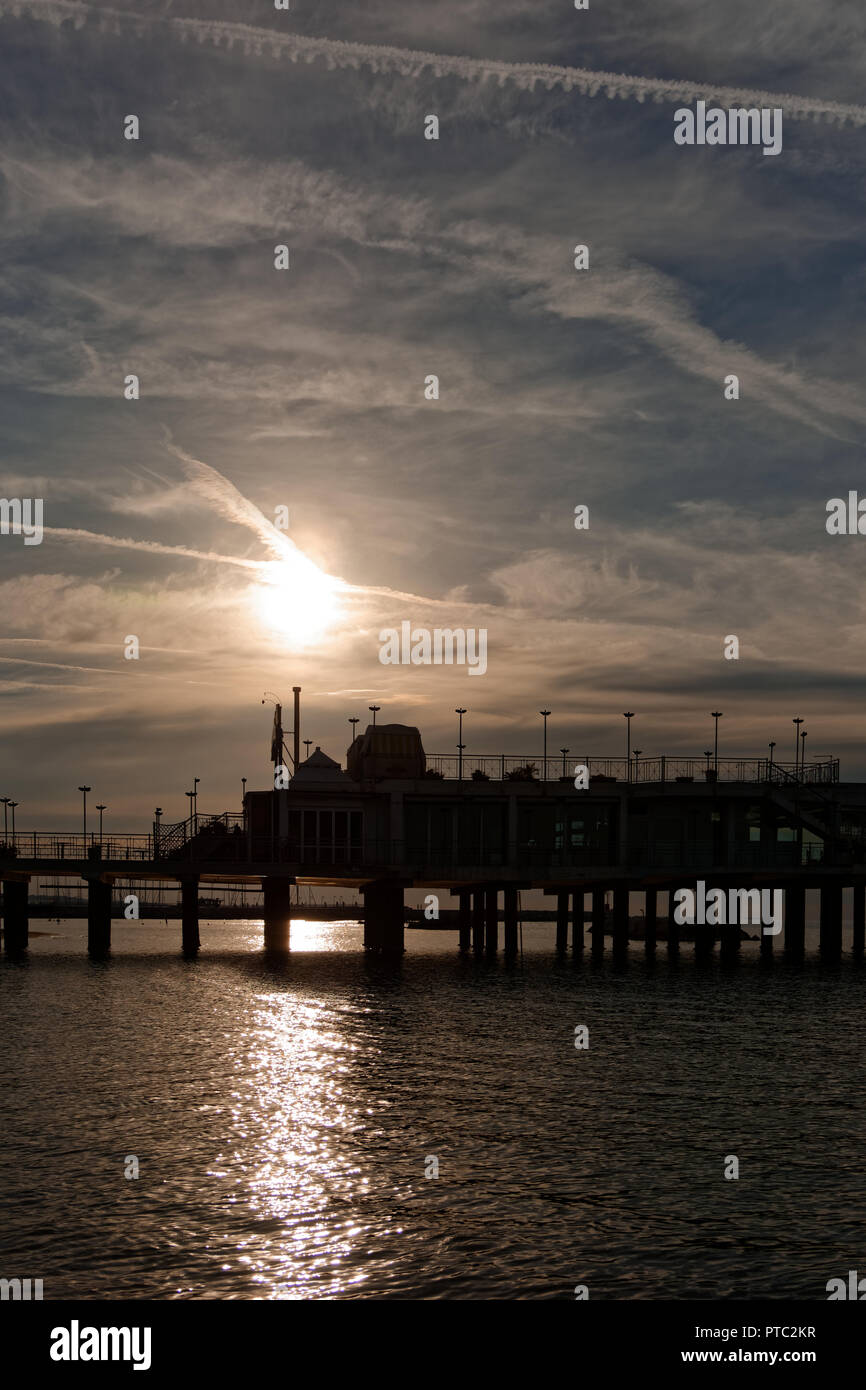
x,y
487,829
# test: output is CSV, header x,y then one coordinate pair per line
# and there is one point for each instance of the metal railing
x,y
61,844
521,767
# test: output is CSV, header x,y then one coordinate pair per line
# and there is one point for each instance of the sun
x,y
297,599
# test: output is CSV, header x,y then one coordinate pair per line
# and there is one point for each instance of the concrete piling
x,y
190,940
277,913
98,918
383,917
15,919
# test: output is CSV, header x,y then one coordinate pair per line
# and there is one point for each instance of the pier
x,y
488,830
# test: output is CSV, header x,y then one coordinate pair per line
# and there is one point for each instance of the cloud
x,y
409,63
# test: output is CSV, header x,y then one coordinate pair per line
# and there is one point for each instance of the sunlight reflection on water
x,y
283,1112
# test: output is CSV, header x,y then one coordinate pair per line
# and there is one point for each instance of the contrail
x,y
337,53
153,547
231,503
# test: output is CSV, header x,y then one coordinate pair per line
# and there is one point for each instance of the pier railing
x,y
500,767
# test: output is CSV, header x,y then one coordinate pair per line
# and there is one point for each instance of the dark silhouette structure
x,y
487,828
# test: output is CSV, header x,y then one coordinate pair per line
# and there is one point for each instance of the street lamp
x,y
100,808
797,722
802,759
460,744
157,815
717,715
84,791
243,792
195,782
12,805
564,752
374,710
308,743
708,753
545,713
772,746
353,722
628,715
5,800
637,753
191,796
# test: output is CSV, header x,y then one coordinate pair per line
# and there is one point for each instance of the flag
x,y
277,736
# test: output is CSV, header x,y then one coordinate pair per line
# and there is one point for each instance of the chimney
x,y
297,693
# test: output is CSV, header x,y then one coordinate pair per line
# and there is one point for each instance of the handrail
x,y
497,767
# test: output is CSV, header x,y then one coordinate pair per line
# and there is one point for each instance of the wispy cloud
x,y
411,63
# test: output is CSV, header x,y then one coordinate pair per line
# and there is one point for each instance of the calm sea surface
x,y
282,1116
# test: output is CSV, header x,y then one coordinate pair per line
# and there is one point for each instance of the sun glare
x,y
297,599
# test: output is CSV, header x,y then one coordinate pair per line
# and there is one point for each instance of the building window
x,y
331,837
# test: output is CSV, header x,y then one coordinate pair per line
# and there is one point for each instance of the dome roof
x,y
319,769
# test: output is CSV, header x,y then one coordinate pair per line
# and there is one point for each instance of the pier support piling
x,y
98,918
15,921
190,940
276,893
383,916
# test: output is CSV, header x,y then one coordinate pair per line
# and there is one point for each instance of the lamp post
x,y
716,714
12,805
564,752
802,756
708,753
157,816
374,710
195,782
772,746
5,801
797,723
100,808
243,793
353,722
545,714
460,745
637,753
84,791
628,716
308,743
191,796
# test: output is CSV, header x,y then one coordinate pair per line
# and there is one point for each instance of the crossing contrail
x,y
411,63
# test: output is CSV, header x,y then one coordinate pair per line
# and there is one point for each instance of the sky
x,y
304,389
